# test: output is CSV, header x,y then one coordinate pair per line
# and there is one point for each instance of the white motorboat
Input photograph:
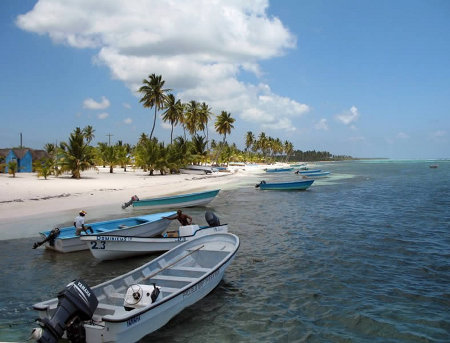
x,y
135,304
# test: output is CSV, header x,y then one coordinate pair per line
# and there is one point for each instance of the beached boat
x,y
314,174
104,247
292,185
278,170
135,304
180,200
143,226
201,170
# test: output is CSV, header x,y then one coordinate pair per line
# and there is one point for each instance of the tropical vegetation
x,y
152,155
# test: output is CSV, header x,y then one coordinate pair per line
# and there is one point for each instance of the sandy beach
x,y
35,204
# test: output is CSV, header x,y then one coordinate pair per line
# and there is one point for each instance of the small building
x,y
24,157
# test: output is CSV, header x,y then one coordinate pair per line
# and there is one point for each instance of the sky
x,y
352,77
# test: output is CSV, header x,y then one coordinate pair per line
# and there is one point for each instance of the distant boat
x,y
192,169
313,174
298,165
433,166
293,185
307,171
180,200
105,247
133,305
143,226
278,170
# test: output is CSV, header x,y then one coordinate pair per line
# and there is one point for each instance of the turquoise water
x,y
361,256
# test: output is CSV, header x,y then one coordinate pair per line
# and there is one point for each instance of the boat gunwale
x,y
177,196
90,237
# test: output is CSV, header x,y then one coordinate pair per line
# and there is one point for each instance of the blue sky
x,y
354,77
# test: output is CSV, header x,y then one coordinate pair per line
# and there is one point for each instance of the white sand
x,y
29,204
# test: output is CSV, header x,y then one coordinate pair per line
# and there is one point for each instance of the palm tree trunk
x,y
154,123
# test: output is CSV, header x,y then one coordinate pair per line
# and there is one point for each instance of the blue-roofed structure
x,y
24,158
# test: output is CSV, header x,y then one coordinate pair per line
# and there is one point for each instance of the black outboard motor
x,y
50,238
212,219
130,202
76,303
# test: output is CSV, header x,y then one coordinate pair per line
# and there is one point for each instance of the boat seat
x,y
168,289
193,269
174,278
122,226
112,293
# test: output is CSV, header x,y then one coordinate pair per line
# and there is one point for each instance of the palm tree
x,y
154,95
173,113
192,117
249,139
199,148
203,118
77,154
88,132
224,124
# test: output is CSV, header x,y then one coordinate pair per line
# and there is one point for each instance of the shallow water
x,y
361,256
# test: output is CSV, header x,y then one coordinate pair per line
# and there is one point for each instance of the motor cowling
x,y
76,303
212,219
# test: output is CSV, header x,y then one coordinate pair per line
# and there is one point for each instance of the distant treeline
x,y
313,155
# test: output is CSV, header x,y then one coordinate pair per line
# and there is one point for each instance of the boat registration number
x,y
98,245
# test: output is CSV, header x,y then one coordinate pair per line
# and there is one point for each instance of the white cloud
x,y
127,121
349,116
103,115
198,46
126,105
439,133
91,104
280,124
322,124
402,135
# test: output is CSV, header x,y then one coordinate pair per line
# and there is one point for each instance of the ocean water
x,y
361,256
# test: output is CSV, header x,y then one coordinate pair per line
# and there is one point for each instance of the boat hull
x,y
117,247
142,226
286,186
279,170
316,174
183,200
184,275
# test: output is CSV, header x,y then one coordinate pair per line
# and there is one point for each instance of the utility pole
x,y
109,139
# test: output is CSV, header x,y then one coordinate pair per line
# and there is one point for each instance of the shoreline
x,y
29,204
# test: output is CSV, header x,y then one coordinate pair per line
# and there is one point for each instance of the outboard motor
x,y
212,219
259,184
76,303
128,203
50,238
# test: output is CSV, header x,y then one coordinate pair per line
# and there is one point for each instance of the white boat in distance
x,y
135,304
201,170
116,247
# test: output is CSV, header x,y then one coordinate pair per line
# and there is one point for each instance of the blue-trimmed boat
x,y
315,174
278,170
285,186
308,171
180,200
65,240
